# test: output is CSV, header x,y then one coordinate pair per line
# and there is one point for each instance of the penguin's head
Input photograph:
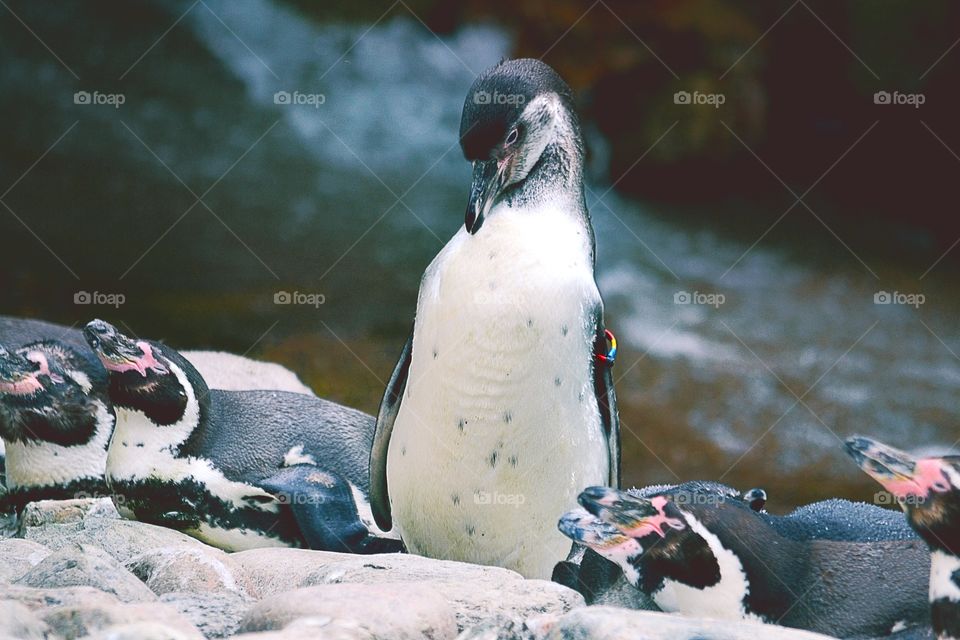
x,y
49,392
927,489
512,114
144,375
670,529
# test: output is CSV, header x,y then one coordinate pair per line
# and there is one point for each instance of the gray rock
x,y
505,602
122,539
74,612
17,621
216,615
277,570
37,599
19,556
44,512
390,611
140,631
315,628
608,623
86,565
202,570
83,619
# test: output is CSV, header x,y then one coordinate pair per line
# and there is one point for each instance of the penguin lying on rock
x,y
699,549
53,391
55,420
928,489
236,469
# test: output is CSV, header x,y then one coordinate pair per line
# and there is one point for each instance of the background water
x,y
350,199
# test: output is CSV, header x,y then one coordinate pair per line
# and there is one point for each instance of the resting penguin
x,y
928,489
236,469
55,422
220,370
499,411
835,568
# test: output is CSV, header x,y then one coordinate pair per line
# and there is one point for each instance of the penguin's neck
x,y
141,446
40,463
945,594
728,587
557,177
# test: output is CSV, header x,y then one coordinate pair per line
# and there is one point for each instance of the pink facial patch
x,y
927,476
141,364
655,524
21,387
41,359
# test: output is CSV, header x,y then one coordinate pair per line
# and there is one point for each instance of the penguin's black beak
x,y
489,176
910,480
881,462
585,528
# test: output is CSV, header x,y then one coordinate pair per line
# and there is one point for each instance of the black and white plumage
x,y
220,370
837,568
55,422
928,490
237,469
498,412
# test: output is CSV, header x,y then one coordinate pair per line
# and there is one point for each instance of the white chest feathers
x,y
142,450
499,428
36,464
724,600
943,566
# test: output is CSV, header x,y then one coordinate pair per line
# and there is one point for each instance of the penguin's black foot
x,y
324,508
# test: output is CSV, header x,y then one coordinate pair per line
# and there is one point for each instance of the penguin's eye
x,y
512,136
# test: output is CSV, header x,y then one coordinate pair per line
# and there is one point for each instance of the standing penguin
x,y
501,408
928,489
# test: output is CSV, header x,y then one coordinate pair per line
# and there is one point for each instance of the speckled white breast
x,y
499,429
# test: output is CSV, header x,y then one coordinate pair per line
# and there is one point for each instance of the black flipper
x,y
323,506
607,399
389,408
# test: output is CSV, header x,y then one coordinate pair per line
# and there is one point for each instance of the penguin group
x,y
499,418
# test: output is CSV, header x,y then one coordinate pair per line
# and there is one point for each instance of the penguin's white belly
x,y
499,428
38,464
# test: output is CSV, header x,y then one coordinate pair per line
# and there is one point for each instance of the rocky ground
x,y
76,570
